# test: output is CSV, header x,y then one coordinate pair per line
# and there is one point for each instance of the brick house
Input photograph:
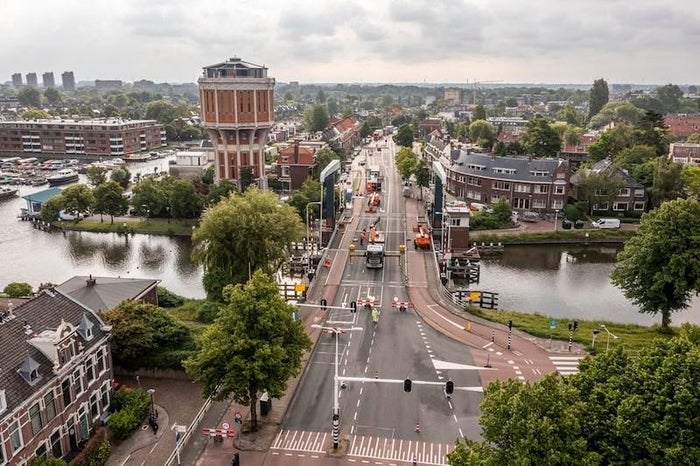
x,y
540,185
295,163
632,199
681,125
684,152
55,377
343,134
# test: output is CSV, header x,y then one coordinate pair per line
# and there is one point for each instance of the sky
x,y
357,41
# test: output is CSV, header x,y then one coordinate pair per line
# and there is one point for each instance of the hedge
x,y
131,408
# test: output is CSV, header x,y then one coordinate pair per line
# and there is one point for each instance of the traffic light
x,y
236,461
324,303
449,387
353,307
510,325
407,385
575,325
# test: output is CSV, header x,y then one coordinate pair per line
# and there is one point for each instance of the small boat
x,y
141,157
7,193
65,176
117,162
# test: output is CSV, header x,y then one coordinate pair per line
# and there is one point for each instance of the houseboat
x,y
64,176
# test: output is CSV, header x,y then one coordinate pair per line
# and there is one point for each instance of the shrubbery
x,y
97,450
208,312
167,298
18,290
131,407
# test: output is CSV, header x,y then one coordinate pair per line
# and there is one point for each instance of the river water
x,y
558,281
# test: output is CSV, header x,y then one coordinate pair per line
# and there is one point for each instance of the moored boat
x,y
65,176
140,157
7,192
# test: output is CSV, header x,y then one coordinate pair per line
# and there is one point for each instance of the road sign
x,y
552,324
238,417
225,425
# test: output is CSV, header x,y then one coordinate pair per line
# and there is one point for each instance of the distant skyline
x,y
379,41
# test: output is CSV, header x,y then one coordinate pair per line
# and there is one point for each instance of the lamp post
x,y
308,227
336,407
607,340
556,218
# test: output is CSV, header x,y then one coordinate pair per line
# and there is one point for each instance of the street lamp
x,y
607,342
151,391
336,408
308,227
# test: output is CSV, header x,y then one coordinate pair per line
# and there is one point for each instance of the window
x,y
474,181
50,406
521,188
94,407
454,222
56,449
16,441
639,206
78,381
65,388
539,173
557,204
539,203
601,206
41,452
558,189
474,195
507,171
35,416
90,370
285,171
501,185
639,192
476,167
541,189
624,192
101,361
105,396
620,206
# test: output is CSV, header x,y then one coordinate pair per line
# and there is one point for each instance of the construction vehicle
x,y
373,202
422,238
374,179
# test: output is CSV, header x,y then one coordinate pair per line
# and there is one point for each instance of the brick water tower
x,y
237,99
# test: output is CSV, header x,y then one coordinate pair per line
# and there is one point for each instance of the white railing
x,y
186,436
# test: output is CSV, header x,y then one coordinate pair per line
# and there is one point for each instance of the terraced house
x,y
55,377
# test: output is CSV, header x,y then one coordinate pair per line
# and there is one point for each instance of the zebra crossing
x,y
364,446
566,365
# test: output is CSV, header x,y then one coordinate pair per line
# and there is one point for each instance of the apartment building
x,y
684,152
104,137
55,377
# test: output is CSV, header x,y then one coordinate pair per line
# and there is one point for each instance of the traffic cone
x,y
418,427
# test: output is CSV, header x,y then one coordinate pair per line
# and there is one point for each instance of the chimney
x,y
27,328
296,152
91,281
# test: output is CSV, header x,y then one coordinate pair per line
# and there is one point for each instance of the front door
x,y
72,435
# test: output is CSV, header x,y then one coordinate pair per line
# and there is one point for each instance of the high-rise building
x,y
32,80
17,79
68,80
47,79
237,102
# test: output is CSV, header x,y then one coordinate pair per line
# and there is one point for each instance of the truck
x,y
374,256
374,179
422,238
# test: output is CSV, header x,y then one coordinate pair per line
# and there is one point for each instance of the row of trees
x,y
621,408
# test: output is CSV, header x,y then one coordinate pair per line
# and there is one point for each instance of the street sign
x,y
238,417
225,425
552,324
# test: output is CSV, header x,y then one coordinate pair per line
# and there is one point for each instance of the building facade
x,y
32,80
631,200
344,134
108,84
684,152
17,79
68,80
90,137
237,105
295,163
56,377
48,80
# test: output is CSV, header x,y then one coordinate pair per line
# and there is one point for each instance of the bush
x,y
208,312
132,407
168,299
18,289
46,462
571,212
167,359
484,221
96,451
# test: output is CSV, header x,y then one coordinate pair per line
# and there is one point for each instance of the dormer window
x,y
29,370
85,328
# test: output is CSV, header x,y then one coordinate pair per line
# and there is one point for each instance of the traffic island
x,y
341,451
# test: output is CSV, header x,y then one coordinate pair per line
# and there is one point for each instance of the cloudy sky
x,y
435,41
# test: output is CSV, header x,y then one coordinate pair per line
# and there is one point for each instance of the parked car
x,y
606,223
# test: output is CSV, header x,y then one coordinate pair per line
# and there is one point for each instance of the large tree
x,y
316,118
183,199
541,139
310,192
659,268
406,161
149,198
96,175
422,174
668,184
405,135
78,200
611,142
29,97
598,97
670,96
254,345
622,408
323,157
597,187
241,234
109,200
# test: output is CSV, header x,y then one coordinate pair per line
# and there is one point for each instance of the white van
x,y
606,223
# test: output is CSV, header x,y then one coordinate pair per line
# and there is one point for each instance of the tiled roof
x,y
44,312
606,165
523,166
105,293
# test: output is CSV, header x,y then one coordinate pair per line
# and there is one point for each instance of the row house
x,y
630,200
55,377
540,185
343,134
684,152
296,162
682,125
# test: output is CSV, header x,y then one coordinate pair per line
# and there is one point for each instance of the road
x,y
378,419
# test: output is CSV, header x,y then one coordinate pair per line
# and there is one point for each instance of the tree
x,y
219,191
254,345
78,200
611,142
310,192
597,188
332,106
479,113
34,114
316,118
482,133
183,200
572,135
109,200
406,161
140,330
366,130
540,138
617,112
658,269
569,114
29,97
422,174
149,198
247,178
633,156
670,97
598,97
17,290
96,175
46,461
323,157
161,111
241,234
652,131
122,176
667,184
690,176
405,135
51,209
